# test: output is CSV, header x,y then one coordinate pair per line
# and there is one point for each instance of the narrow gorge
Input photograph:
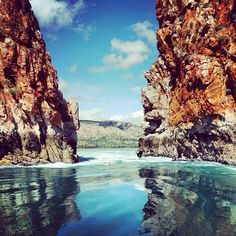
x,y
37,125
190,99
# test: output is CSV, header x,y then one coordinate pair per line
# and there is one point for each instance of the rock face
x,y
190,100
36,123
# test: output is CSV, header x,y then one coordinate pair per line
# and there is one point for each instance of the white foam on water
x,y
139,187
55,165
231,168
9,167
50,165
119,155
110,156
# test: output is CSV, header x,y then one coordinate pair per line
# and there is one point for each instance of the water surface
x,y
112,192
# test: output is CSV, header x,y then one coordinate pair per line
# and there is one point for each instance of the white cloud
x,y
73,68
143,30
63,86
85,30
126,76
96,114
56,13
96,69
95,88
136,89
99,114
134,117
51,37
124,55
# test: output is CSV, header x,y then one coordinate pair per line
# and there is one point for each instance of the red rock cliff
x,y
36,123
190,100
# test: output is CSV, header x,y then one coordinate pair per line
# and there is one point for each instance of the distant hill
x,y
114,134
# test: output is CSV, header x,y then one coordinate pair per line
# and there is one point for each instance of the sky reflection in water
x,y
97,199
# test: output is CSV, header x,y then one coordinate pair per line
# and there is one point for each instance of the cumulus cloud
x,y
127,75
144,30
99,114
96,114
85,30
51,37
61,14
73,68
124,55
136,89
56,13
134,117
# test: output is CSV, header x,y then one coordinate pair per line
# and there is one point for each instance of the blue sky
x,y
100,49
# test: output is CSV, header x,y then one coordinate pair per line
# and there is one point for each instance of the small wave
x,y
107,157
233,168
55,165
10,167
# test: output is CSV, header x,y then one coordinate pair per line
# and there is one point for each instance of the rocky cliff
x,y
189,102
36,123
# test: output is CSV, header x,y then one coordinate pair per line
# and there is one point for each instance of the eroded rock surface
x,y
36,124
189,102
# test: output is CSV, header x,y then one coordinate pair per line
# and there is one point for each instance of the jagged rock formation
x,y
190,100
36,123
192,202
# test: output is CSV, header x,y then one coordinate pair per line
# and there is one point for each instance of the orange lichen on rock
x,y
197,69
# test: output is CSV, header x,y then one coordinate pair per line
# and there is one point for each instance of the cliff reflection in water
x,y
190,201
36,201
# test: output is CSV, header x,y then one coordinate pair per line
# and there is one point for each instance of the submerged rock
x,y
36,124
190,100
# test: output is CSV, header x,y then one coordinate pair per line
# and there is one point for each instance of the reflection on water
x,y
110,202
36,201
190,201
105,194
87,200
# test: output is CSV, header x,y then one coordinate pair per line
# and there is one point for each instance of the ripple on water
x,y
104,195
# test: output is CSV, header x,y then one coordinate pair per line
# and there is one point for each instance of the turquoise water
x,y
112,192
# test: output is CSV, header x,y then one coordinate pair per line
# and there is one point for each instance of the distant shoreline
x,y
108,134
106,147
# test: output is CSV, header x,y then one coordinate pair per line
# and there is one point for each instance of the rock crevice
x,y
189,103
